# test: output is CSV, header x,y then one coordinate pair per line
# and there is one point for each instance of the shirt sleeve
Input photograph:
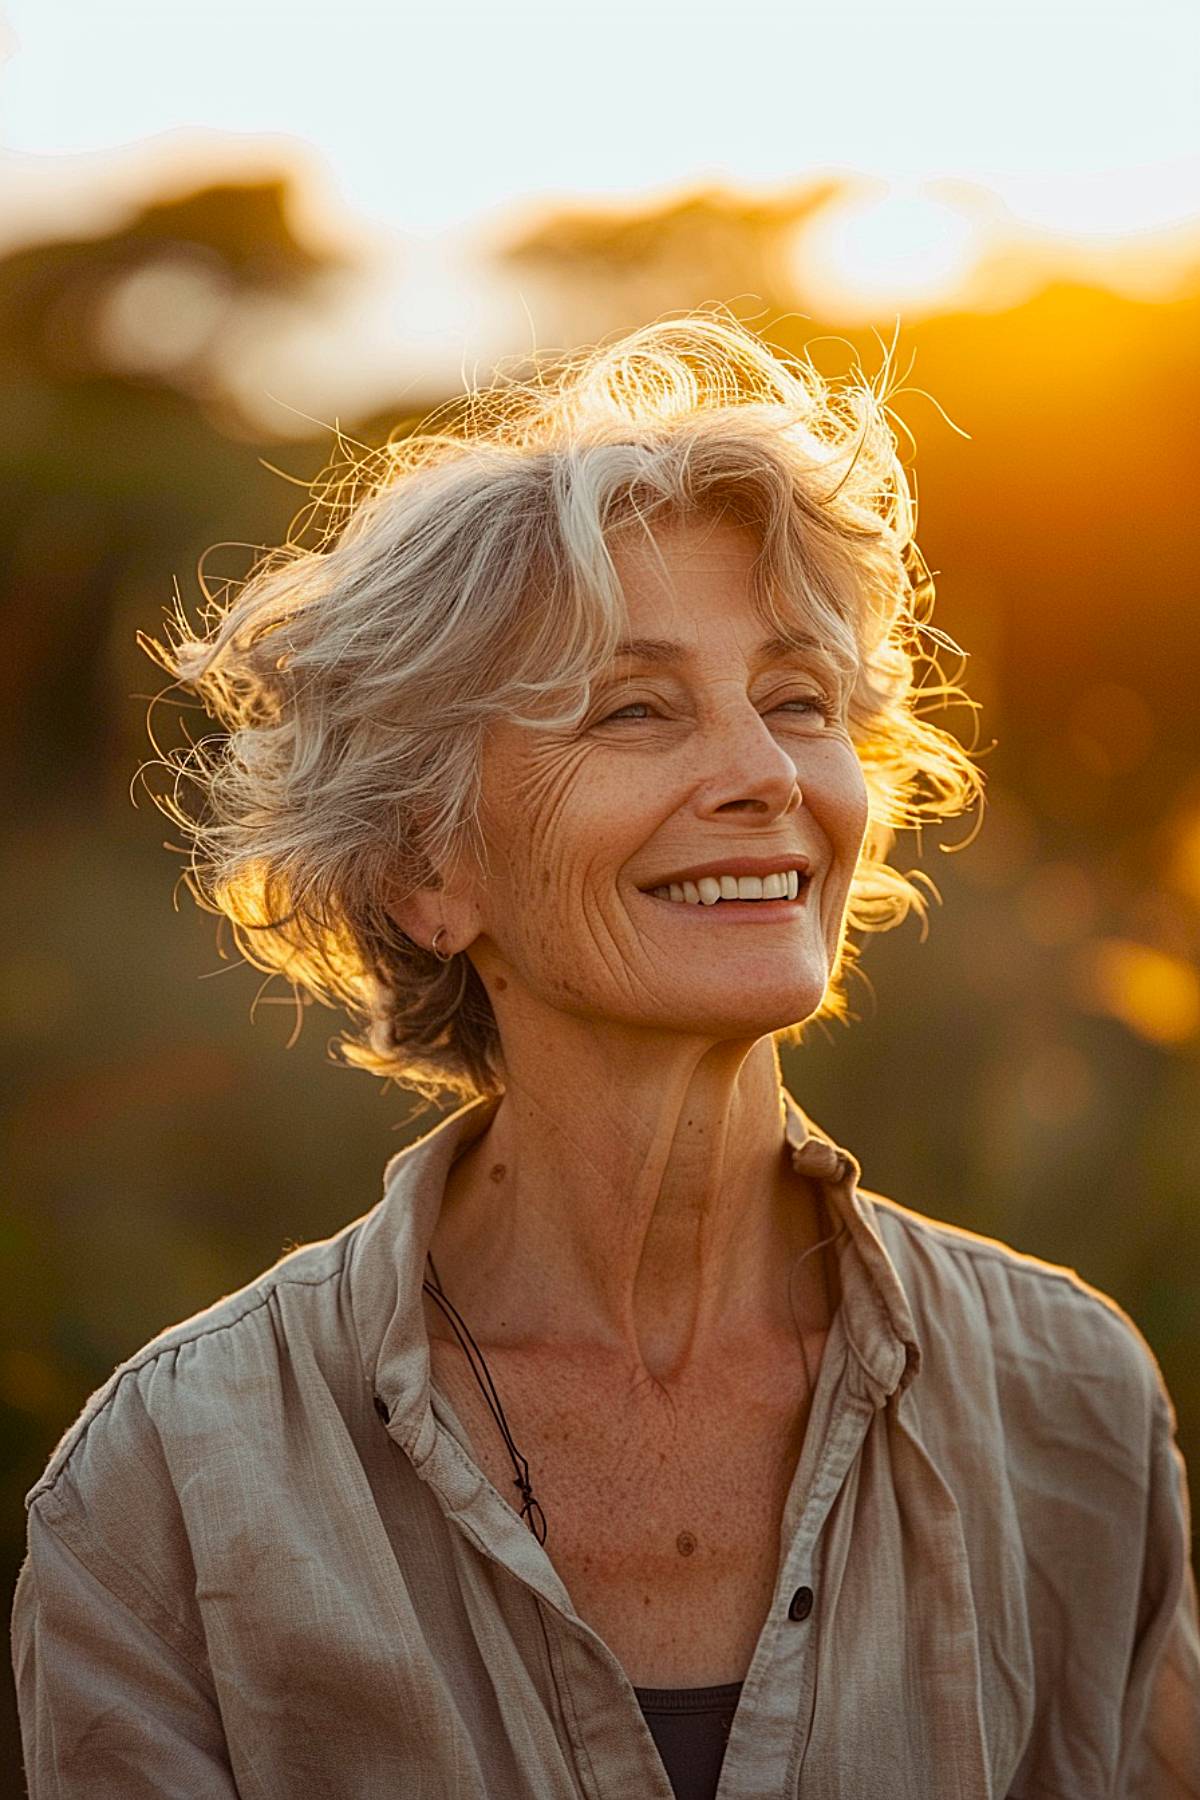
x,y
1160,1719
107,1706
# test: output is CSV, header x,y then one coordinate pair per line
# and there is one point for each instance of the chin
x,y
741,1019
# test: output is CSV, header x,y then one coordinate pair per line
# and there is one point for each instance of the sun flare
x,y
895,248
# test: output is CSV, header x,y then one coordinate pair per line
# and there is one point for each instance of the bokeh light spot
x,y
1184,866
163,316
1155,995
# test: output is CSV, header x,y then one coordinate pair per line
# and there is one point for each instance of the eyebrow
x,y
670,650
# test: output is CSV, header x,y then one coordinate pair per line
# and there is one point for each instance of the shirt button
x,y
801,1603
381,1408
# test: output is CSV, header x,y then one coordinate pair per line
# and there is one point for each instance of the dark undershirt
x,y
690,1727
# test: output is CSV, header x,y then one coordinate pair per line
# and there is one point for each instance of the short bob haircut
x,y
463,575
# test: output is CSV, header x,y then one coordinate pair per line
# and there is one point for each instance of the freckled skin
x,y
640,1120
649,1239
576,821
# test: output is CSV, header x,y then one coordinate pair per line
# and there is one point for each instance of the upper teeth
x,y
711,888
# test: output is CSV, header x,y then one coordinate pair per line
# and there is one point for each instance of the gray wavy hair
x,y
463,574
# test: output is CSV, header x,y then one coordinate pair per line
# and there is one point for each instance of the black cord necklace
x,y
531,1512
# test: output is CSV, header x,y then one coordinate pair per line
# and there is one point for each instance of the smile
x,y
712,890
744,896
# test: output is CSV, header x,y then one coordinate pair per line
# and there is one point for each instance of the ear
x,y
418,912
421,911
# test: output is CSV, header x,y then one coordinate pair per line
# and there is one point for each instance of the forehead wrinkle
x,y
663,651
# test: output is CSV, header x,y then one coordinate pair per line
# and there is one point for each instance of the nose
x,y
745,768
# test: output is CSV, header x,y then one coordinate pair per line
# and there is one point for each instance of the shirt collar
x,y
876,1313
387,1269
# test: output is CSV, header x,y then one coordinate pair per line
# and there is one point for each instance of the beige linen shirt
x,y
244,1579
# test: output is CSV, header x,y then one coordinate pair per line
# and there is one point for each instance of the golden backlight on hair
x,y
463,574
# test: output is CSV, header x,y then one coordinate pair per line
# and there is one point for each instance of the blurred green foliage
x,y
1027,1071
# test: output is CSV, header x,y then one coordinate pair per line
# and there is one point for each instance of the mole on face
x,y
685,1543
498,1172
501,984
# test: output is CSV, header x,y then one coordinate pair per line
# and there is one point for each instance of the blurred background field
x,y
187,314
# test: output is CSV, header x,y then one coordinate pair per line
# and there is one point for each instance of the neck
x,y
634,1198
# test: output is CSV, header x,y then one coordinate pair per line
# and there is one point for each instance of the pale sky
x,y
419,125
427,113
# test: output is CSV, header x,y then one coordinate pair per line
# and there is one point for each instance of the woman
x,y
627,1445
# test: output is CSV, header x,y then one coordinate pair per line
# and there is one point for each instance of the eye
x,y
820,704
624,711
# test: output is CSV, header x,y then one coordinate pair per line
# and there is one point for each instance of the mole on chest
x,y
622,1488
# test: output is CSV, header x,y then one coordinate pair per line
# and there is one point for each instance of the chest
x,y
663,1507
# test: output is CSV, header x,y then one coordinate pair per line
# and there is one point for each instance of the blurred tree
x,y
114,381
599,267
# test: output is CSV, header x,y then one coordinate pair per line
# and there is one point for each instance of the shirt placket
x,y
613,1749
611,1744
770,1729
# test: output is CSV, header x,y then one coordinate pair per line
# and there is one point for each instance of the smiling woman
x,y
472,581
568,763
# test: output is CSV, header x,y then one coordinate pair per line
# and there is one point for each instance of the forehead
x,y
678,550
692,584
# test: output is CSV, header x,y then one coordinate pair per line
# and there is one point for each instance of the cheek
x,y
541,820
858,809
837,794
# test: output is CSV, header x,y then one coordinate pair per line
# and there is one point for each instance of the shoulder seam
x,y
144,1358
198,1667
967,1243
978,1248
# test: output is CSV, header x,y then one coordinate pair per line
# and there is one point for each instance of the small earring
x,y
448,956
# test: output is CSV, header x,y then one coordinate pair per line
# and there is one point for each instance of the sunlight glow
x,y
901,248
980,150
